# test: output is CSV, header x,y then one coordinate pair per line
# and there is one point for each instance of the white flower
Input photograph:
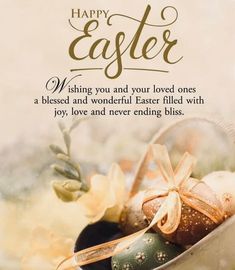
x,y
106,197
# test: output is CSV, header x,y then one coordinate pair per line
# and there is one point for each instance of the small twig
x,y
71,170
65,171
67,140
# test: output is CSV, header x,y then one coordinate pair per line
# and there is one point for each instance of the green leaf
x,y
56,149
66,171
67,140
67,160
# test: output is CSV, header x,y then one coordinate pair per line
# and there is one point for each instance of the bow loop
x,y
172,205
173,213
161,157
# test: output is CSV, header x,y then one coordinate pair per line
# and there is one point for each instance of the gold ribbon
x,y
179,189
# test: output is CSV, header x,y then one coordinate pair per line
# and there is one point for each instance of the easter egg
x,y
132,217
193,225
223,184
148,252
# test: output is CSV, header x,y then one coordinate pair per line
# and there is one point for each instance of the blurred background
x,y
34,44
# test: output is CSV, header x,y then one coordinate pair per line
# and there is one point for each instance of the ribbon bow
x,y
178,189
179,186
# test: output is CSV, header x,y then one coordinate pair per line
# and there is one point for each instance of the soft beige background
x,y
34,41
34,44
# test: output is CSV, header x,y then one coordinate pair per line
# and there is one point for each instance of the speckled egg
x,y
223,184
147,253
132,217
194,225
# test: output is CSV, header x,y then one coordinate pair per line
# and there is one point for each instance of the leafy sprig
x,y
74,185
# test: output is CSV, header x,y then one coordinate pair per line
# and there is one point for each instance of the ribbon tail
x,y
184,168
109,249
99,252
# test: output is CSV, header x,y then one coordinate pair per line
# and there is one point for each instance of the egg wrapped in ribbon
x,y
193,225
148,252
187,209
183,211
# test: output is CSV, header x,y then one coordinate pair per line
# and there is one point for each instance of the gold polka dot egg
x,y
194,225
132,217
149,252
